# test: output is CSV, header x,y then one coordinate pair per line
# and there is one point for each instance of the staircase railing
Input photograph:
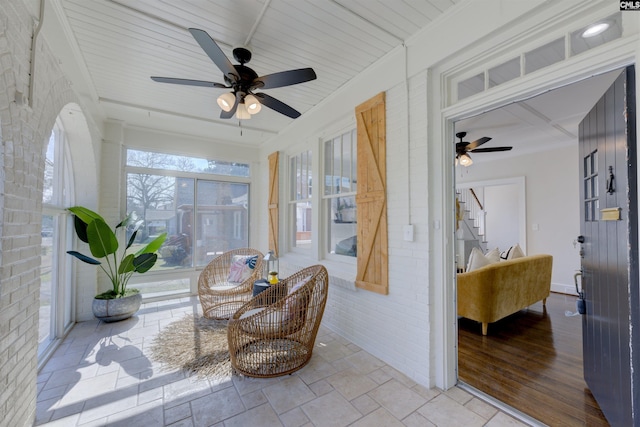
x,y
475,213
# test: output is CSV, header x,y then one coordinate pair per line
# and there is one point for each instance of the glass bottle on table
x,y
273,277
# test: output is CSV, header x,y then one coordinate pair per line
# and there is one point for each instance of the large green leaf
x,y
126,266
153,245
81,228
85,215
144,262
132,239
102,240
84,258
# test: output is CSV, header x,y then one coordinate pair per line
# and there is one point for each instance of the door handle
x,y
580,304
580,240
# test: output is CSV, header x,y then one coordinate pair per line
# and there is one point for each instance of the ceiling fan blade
x,y
477,143
216,54
284,78
276,105
230,113
188,82
490,149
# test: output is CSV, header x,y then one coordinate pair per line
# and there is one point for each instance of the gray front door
x,y
608,227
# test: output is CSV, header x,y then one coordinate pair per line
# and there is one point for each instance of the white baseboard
x,y
563,288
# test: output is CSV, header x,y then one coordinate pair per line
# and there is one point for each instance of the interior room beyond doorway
x,y
543,132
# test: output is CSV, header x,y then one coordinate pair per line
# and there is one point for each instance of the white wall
x,y
552,201
24,132
419,297
502,207
394,327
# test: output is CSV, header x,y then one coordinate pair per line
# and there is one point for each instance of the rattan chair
x,y
219,297
274,333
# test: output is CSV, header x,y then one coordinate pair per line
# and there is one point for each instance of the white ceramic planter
x,y
113,310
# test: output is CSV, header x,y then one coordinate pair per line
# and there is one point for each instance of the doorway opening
x,y
532,360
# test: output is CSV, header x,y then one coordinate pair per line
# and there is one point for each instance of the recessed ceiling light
x,y
595,29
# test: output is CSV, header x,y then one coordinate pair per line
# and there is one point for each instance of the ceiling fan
x,y
463,148
242,81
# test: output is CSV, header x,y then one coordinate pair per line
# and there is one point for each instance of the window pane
x,y
580,44
544,56
294,178
504,72
340,223
163,287
470,86
304,177
337,152
222,219
163,203
165,161
328,167
301,184
49,161
303,224
354,160
346,164
46,281
342,227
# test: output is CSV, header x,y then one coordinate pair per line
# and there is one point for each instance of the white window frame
x,y
319,240
293,200
327,198
62,314
191,272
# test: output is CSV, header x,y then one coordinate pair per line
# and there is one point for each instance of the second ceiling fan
x,y
242,81
463,148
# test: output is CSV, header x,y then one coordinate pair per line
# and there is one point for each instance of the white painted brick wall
x,y
396,327
23,134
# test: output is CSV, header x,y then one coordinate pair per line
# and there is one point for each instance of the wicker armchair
x,y
274,333
219,297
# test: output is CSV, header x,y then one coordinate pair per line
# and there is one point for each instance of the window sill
x,y
341,274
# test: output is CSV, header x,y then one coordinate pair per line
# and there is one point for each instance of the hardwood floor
x,y
532,361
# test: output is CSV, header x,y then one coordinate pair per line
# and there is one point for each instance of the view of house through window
x,y
340,193
300,200
202,214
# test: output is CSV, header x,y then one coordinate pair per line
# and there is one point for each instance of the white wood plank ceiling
x,y
121,43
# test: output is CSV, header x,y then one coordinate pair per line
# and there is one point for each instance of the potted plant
x,y
118,303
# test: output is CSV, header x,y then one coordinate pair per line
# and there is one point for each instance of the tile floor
x,y
102,375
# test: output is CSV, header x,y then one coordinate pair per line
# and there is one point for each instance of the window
x,y
300,199
56,298
590,187
173,162
340,193
202,205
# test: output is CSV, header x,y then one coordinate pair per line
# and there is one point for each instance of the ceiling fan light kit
x,y
242,113
465,160
242,80
226,101
252,104
463,149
